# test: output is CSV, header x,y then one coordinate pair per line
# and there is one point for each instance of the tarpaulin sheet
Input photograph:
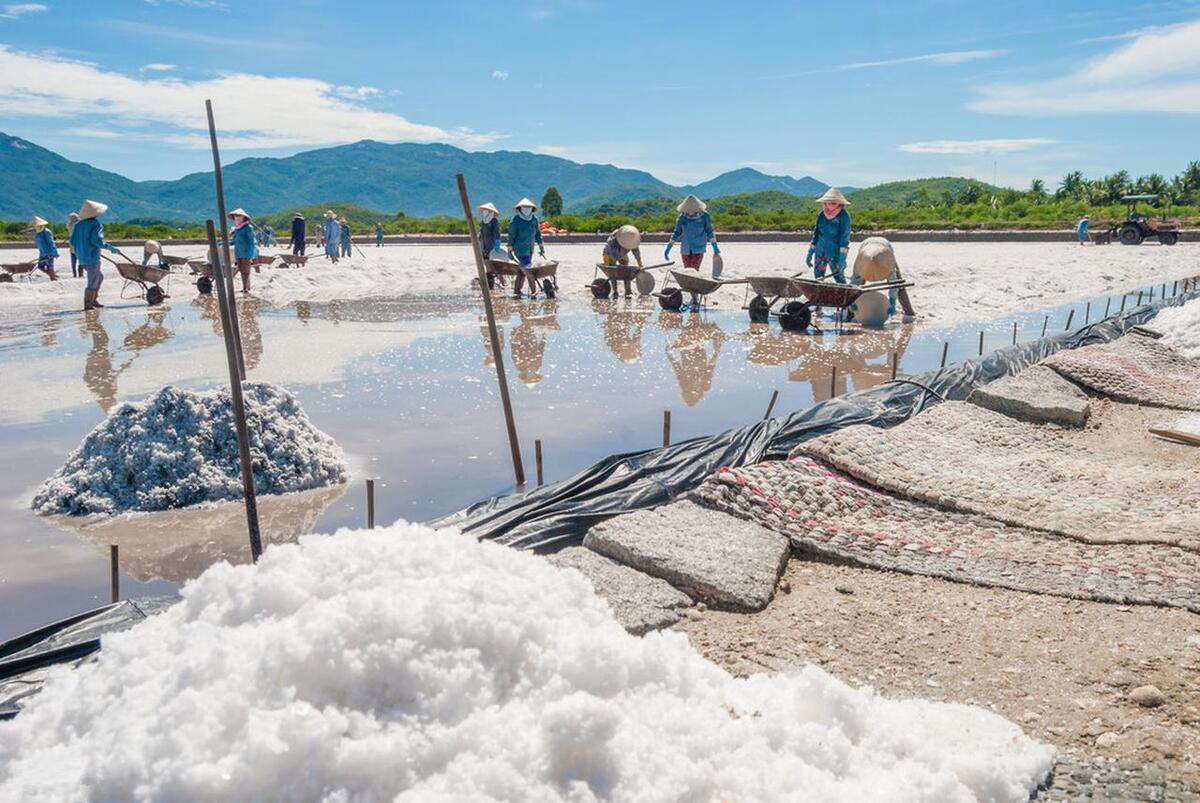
x,y
560,514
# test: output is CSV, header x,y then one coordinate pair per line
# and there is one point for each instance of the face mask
x,y
695,216
525,212
488,217
832,210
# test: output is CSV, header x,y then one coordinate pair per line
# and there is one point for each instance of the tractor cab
x,y
1138,226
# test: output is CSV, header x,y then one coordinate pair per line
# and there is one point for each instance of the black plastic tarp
x,y
560,514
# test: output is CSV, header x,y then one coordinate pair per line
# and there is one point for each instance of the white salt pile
x,y
418,665
1180,328
179,448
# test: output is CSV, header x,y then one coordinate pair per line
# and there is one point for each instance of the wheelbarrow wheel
x,y
5,277
760,310
491,279
795,317
204,285
548,288
600,288
155,295
671,300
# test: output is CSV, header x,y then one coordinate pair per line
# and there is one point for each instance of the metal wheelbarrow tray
x,y
545,276
146,278
13,270
294,260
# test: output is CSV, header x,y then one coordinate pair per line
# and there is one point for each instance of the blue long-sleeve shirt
x,y
333,232
299,229
831,236
1081,229
244,246
522,234
693,233
489,236
88,239
45,243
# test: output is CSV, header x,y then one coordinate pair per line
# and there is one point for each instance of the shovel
x,y
718,265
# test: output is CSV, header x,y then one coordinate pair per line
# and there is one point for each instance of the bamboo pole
x,y
1087,314
666,428
537,456
231,296
1107,306
895,364
980,342
1014,333
771,404
945,351
1122,309
239,407
493,336
1070,317
833,383
1045,323
114,571
370,504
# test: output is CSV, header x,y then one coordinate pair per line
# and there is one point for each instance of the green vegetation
x,y
552,203
933,203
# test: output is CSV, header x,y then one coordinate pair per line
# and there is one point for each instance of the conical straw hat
x,y
242,212
525,202
692,206
629,237
834,196
38,222
152,247
329,213
91,209
489,207
875,260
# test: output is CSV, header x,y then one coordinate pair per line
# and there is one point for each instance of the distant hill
x,y
929,190
414,178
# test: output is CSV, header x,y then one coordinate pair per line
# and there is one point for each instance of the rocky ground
x,y
1072,673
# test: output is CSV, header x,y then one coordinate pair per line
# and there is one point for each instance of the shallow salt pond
x,y
408,388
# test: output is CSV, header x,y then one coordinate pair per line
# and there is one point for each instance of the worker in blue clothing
x,y
831,237
1081,228
693,232
344,234
299,233
47,250
523,231
379,234
88,240
333,236
72,219
244,247
489,239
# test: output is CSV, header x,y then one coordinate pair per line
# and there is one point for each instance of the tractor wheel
x,y
548,288
671,300
204,285
795,317
155,296
760,310
601,288
1131,235
1168,237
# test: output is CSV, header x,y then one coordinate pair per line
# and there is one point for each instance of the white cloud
x,y
253,111
1158,71
939,59
500,75
551,150
969,146
15,10
156,67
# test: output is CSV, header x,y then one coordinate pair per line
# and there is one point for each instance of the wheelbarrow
x,y
204,271
294,260
500,268
697,285
640,276
544,276
265,260
816,294
19,269
145,278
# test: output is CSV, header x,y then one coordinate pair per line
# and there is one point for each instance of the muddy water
x,y
407,387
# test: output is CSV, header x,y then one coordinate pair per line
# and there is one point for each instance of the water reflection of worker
x,y
248,310
529,339
98,373
693,356
622,328
811,358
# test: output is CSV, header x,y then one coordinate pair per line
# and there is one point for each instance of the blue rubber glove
x,y
841,260
542,252
112,249
667,250
808,260
716,248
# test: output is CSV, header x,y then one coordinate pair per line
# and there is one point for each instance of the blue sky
x,y
850,93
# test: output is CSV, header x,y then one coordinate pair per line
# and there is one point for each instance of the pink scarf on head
x,y
240,221
837,210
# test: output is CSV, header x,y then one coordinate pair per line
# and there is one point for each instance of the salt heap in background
x,y
179,448
426,665
1180,328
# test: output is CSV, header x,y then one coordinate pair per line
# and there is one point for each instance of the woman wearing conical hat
x,y
299,234
693,232
524,231
72,219
489,237
88,240
344,234
333,236
149,249
620,244
831,237
244,247
47,250
876,262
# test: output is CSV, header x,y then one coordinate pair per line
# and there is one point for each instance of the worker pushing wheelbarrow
x,y
622,244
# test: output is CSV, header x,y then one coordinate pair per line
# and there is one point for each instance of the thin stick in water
x,y
537,456
895,363
1014,333
1087,314
1070,317
1045,323
114,569
771,404
945,351
980,342
370,504
833,383
666,428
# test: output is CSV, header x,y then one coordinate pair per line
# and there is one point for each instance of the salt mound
x,y
1180,328
179,448
419,665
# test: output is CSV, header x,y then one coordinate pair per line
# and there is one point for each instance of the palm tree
x,y
1037,190
1072,186
1116,186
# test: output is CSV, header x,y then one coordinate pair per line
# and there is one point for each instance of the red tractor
x,y
1138,227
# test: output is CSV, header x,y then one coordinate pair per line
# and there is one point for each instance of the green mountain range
x,y
413,178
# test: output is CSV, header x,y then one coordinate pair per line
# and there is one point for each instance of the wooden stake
x,y
833,383
114,563
980,342
1070,317
1139,298
895,364
239,405
1163,294
370,504
1122,309
771,404
945,351
1107,306
537,456
666,428
1174,288
1045,323
493,335
1014,333
231,296
1087,314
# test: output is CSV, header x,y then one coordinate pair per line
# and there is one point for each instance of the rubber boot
x,y
89,300
96,298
